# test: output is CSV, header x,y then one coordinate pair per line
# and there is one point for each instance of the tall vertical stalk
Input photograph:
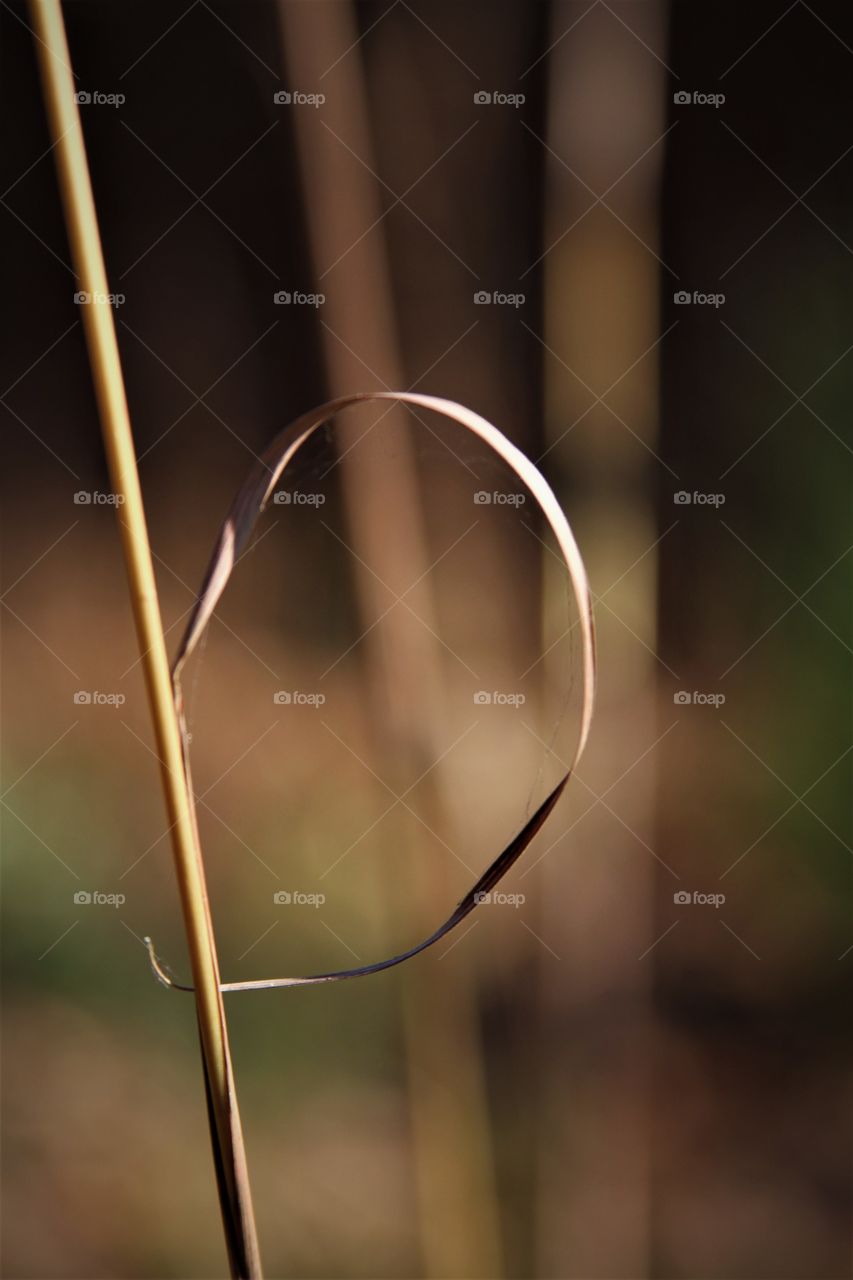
x,y
457,1204
98,322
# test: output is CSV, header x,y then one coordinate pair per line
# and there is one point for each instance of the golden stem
x,y
99,326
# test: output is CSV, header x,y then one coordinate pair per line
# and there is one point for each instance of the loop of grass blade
x,y
490,877
233,537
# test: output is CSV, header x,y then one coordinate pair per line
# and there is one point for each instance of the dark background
x,y
602,1082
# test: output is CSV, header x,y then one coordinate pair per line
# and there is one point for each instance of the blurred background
x,y
622,232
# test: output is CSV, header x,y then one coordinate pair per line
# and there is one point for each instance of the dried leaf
x,y
234,535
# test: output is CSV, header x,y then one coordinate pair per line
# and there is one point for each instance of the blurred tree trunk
x,y
598,348
343,198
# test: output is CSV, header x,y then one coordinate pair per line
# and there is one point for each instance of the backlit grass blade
x,y
233,537
83,234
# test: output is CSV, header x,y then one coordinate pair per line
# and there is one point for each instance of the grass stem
x,y
99,325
